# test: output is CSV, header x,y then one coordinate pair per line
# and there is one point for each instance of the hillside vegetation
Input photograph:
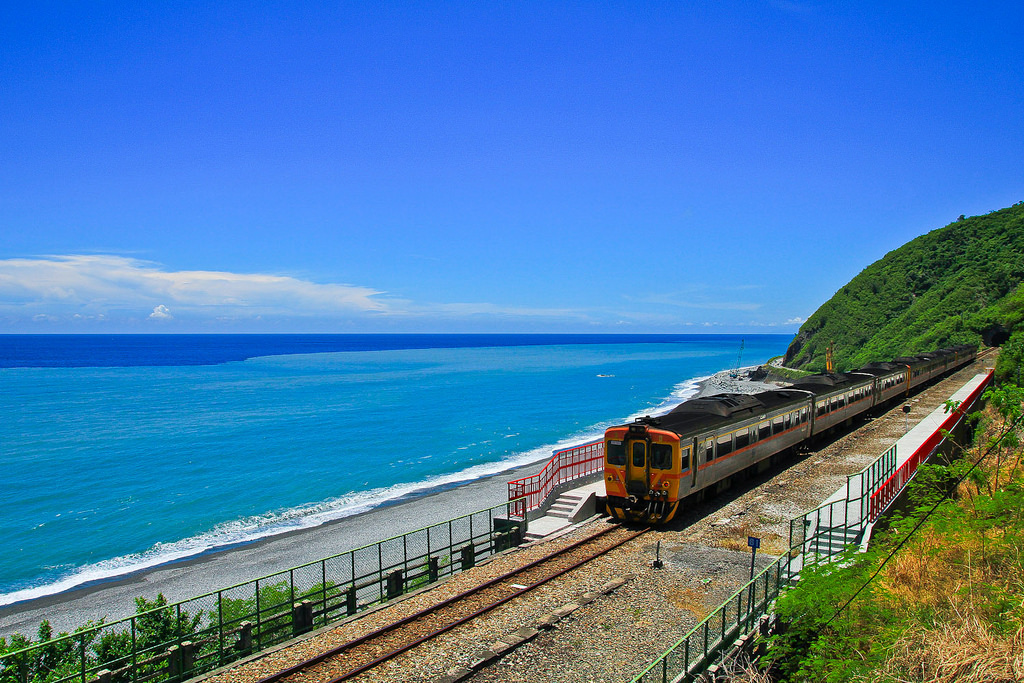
x,y
960,284
939,597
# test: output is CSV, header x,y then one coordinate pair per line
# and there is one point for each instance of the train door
x,y
637,468
698,458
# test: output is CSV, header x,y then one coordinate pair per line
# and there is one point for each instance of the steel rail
x,y
341,649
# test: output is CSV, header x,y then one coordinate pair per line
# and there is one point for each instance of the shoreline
x,y
220,568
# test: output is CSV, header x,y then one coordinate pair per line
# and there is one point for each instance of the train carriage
x,y
891,381
917,370
838,397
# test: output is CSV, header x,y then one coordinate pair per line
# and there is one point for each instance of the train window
x,y
704,448
742,439
616,453
639,453
685,459
789,420
803,415
661,456
764,430
723,446
778,425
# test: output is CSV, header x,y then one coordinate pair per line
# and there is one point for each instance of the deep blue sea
x,y
122,452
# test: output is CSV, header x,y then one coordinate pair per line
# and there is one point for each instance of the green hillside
x,y
958,284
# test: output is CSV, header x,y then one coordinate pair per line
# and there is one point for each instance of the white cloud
x,y
108,289
92,285
118,292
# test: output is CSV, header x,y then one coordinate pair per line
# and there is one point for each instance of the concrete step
x,y
565,505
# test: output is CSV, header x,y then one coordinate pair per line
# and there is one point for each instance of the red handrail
x,y
568,464
892,486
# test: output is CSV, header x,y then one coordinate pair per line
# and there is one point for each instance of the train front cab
x,y
643,467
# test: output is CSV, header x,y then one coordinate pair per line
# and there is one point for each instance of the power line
x,y
944,498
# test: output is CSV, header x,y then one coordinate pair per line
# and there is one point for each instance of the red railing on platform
x,y
565,465
892,486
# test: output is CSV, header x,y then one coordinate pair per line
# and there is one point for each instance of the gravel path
x,y
618,633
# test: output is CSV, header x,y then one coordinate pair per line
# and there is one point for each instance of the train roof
x,y
829,381
881,368
708,412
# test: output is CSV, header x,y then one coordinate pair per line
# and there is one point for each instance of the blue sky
x,y
484,166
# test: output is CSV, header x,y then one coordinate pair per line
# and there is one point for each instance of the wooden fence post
x,y
350,600
244,637
302,617
468,557
395,584
174,661
188,652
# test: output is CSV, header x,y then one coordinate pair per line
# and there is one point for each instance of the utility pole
x,y
739,360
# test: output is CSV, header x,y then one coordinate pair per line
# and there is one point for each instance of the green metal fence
x,y
830,528
695,651
816,536
172,642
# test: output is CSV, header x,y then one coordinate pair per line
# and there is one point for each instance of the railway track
x,y
359,656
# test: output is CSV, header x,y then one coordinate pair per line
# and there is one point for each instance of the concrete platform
x,y
565,508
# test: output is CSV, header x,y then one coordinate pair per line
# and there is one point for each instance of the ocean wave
x,y
250,529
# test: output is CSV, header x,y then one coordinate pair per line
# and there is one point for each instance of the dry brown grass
x,y
964,651
735,538
931,571
690,600
749,674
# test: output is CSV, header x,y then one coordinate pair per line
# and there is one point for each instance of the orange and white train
x,y
656,464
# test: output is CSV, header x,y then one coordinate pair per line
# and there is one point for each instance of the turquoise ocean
x,y
121,453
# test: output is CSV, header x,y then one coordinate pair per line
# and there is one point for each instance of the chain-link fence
x,y
172,642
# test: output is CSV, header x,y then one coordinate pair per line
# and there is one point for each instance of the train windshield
x,y
616,453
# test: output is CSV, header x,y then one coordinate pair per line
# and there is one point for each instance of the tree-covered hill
x,y
958,284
